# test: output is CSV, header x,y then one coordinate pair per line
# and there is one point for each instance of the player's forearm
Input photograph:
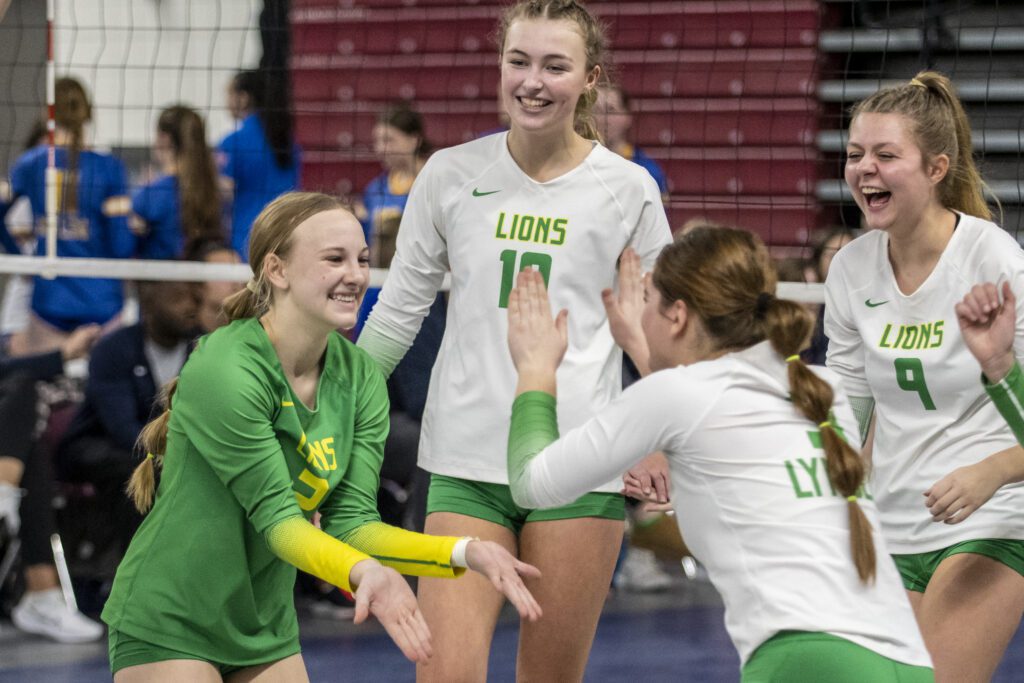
x,y
534,426
305,547
407,552
1007,466
1008,396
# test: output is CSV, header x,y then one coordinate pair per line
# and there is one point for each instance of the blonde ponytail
x,y
153,442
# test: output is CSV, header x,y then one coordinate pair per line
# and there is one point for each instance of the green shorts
x,y
125,651
803,657
916,570
493,502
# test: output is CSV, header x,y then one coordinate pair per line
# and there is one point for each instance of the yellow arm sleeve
x,y
302,545
406,551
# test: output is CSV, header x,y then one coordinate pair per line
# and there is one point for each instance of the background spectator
x,y
614,119
260,160
126,370
182,207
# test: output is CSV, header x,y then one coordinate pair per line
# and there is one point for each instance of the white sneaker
x,y
46,614
640,572
10,501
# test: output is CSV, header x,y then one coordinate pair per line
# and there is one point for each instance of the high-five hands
x,y
536,341
988,327
625,310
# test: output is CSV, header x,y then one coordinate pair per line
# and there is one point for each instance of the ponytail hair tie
x,y
826,423
149,456
792,359
852,499
764,300
251,285
915,82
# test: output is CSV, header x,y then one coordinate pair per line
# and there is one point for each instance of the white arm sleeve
x,y
649,416
416,274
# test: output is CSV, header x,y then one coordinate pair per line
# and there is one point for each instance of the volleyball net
x,y
741,103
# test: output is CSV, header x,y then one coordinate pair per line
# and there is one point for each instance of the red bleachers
x,y
722,93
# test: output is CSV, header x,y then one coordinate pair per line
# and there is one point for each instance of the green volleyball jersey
x,y
244,460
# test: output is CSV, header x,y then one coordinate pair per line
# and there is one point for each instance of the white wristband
x,y
459,551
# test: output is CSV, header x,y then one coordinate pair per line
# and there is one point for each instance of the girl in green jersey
x,y
275,418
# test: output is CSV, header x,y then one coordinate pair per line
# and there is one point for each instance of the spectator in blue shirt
x,y
92,206
614,119
401,147
182,207
260,160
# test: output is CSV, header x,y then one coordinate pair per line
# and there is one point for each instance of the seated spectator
x,y
212,293
126,370
614,119
26,493
182,207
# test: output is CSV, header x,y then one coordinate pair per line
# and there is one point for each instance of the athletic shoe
x,y
641,573
45,613
10,501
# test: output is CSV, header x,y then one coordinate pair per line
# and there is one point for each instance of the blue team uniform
x,y
637,156
246,158
67,302
157,204
382,200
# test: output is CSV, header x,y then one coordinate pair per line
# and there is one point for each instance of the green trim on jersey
x,y
917,569
805,657
1008,395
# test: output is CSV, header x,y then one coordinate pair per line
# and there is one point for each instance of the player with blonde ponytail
x,y
274,418
946,467
770,494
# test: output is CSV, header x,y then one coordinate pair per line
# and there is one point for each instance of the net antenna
x,y
51,128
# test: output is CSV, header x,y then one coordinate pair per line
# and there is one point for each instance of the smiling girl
x,y
945,463
545,195
274,418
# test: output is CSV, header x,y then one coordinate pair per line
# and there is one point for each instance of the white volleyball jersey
x,y
473,210
932,414
752,496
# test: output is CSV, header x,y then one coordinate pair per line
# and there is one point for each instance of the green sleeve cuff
x,y
1008,396
534,426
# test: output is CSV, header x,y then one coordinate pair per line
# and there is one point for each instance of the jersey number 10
x,y
509,270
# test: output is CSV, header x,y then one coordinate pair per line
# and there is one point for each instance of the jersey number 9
x,y
910,377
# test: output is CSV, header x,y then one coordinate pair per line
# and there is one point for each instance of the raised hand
x,y
506,573
536,342
382,592
625,309
988,327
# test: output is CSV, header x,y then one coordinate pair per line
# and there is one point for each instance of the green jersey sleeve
x,y
1008,396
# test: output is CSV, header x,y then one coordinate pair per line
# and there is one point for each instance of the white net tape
x,y
191,271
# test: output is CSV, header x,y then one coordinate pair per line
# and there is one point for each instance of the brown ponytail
x,y
939,124
197,176
727,279
788,325
71,111
153,442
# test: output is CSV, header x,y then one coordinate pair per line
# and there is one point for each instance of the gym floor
x,y
673,636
